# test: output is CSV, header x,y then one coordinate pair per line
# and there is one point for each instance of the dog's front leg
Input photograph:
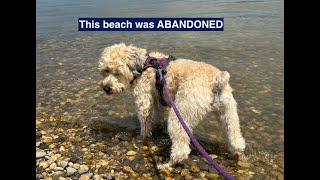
x,y
145,107
144,102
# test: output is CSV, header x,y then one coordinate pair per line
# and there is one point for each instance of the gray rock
x,y
57,174
58,169
38,144
71,171
40,176
62,164
40,154
62,178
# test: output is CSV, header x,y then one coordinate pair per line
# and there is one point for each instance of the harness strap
x,y
159,64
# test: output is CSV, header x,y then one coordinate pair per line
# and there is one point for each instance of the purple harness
x,y
158,64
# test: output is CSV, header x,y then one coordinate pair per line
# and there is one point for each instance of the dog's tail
x,y
222,80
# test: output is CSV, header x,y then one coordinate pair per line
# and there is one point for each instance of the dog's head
x,y
118,65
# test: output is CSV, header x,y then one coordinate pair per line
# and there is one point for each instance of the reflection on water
x,y
250,49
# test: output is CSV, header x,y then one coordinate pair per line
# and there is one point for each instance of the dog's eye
x,y
107,71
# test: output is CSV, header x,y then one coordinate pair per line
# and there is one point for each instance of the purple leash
x,y
225,174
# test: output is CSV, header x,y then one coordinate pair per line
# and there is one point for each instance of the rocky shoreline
x,y
69,149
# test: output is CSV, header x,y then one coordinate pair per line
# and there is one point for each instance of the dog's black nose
x,y
107,89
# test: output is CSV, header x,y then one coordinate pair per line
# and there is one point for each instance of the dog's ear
x,y
135,59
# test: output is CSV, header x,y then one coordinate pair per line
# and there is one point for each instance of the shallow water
x,y
250,49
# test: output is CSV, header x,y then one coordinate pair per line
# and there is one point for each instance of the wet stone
x,y
57,174
38,135
77,139
111,113
212,170
83,169
211,176
87,156
134,175
213,156
124,136
76,176
126,169
177,177
133,163
74,159
58,169
184,172
188,177
44,164
165,172
115,140
109,177
52,166
126,162
240,171
203,166
54,124
227,162
62,164
40,154
48,140
71,171
52,146
131,153
76,166
38,144
44,146
62,149
86,176
243,164
101,147
202,174
39,176
103,169
97,177
145,148
194,169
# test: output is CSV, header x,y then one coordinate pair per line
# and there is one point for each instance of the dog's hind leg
x,y
193,103
225,107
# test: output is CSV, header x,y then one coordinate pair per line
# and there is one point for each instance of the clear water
x,y
250,49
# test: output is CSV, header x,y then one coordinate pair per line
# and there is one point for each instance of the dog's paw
x,y
164,166
240,156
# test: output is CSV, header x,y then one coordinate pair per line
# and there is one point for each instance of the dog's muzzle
x,y
108,90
